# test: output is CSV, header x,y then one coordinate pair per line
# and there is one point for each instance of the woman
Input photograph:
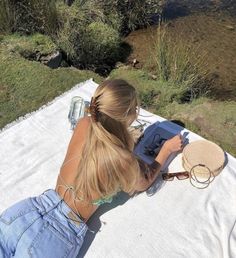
x,y
99,163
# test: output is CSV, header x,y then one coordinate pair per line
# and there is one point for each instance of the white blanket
x,y
177,221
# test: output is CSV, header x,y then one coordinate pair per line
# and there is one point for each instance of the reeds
x,y
180,65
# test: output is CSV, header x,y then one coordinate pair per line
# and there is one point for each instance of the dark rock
x,y
53,60
68,2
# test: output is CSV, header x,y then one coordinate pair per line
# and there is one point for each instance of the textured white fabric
x,y
177,221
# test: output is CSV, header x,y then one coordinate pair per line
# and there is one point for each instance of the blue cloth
x,y
43,226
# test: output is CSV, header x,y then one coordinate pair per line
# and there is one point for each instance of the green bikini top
x,y
97,202
102,200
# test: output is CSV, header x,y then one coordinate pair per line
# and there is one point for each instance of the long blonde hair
x,y
107,164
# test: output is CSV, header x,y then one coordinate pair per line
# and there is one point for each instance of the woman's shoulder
x,y
82,125
77,140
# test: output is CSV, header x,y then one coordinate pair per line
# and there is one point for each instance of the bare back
x,y
69,167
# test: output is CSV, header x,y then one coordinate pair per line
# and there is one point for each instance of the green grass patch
x,y
214,120
27,85
153,94
28,45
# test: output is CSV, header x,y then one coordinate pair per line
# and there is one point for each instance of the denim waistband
x,y
50,200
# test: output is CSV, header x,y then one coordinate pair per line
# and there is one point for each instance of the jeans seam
x,y
66,228
67,242
47,225
37,236
47,214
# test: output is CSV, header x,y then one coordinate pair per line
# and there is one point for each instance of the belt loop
x,y
47,190
46,210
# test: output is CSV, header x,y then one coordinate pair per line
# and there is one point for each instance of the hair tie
x,y
94,109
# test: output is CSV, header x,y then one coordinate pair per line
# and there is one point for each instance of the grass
x,y
207,36
214,120
28,45
27,85
153,94
177,63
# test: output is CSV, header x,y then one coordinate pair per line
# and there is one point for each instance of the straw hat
x,y
204,158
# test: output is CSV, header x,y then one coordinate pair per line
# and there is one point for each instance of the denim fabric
x,y
41,227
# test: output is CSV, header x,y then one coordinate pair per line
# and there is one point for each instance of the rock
x,y
229,27
53,60
37,55
119,64
134,62
152,76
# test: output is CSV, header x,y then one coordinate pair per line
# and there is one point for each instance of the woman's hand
x,y
174,144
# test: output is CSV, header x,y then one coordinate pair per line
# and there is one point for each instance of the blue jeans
x,y
41,227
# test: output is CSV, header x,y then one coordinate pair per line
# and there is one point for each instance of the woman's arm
x,y
149,173
76,141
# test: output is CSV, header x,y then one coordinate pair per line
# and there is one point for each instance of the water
x,y
212,32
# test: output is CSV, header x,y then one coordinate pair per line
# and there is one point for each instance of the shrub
x,y
128,14
137,13
29,16
5,17
100,44
85,38
124,15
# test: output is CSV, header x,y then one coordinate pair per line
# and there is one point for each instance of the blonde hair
x,y
108,164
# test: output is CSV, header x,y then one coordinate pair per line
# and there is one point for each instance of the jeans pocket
x,y
17,210
49,243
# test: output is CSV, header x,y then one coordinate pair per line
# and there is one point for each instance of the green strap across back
x,y
103,200
97,202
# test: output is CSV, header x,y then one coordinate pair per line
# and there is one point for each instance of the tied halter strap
x,y
71,188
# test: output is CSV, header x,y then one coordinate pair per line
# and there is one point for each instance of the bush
x,y
99,44
124,15
138,13
29,16
5,17
85,38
